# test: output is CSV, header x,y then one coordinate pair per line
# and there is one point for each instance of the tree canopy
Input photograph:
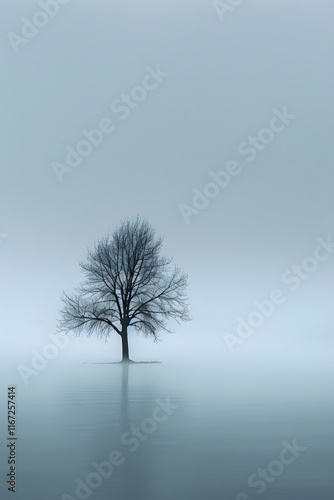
x,y
127,283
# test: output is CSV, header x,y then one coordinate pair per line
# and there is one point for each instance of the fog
x,y
224,79
225,146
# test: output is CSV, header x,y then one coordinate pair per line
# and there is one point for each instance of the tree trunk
x,y
125,344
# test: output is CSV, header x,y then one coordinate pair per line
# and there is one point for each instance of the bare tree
x,y
127,283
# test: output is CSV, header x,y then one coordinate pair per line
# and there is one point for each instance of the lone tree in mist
x,y
127,283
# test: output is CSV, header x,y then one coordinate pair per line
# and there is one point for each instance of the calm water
x,y
218,429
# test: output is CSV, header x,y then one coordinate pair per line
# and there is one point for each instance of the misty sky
x,y
224,79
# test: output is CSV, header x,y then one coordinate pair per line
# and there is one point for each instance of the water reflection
x,y
125,396
206,448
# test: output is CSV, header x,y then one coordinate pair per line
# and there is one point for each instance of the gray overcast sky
x,y
222,78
